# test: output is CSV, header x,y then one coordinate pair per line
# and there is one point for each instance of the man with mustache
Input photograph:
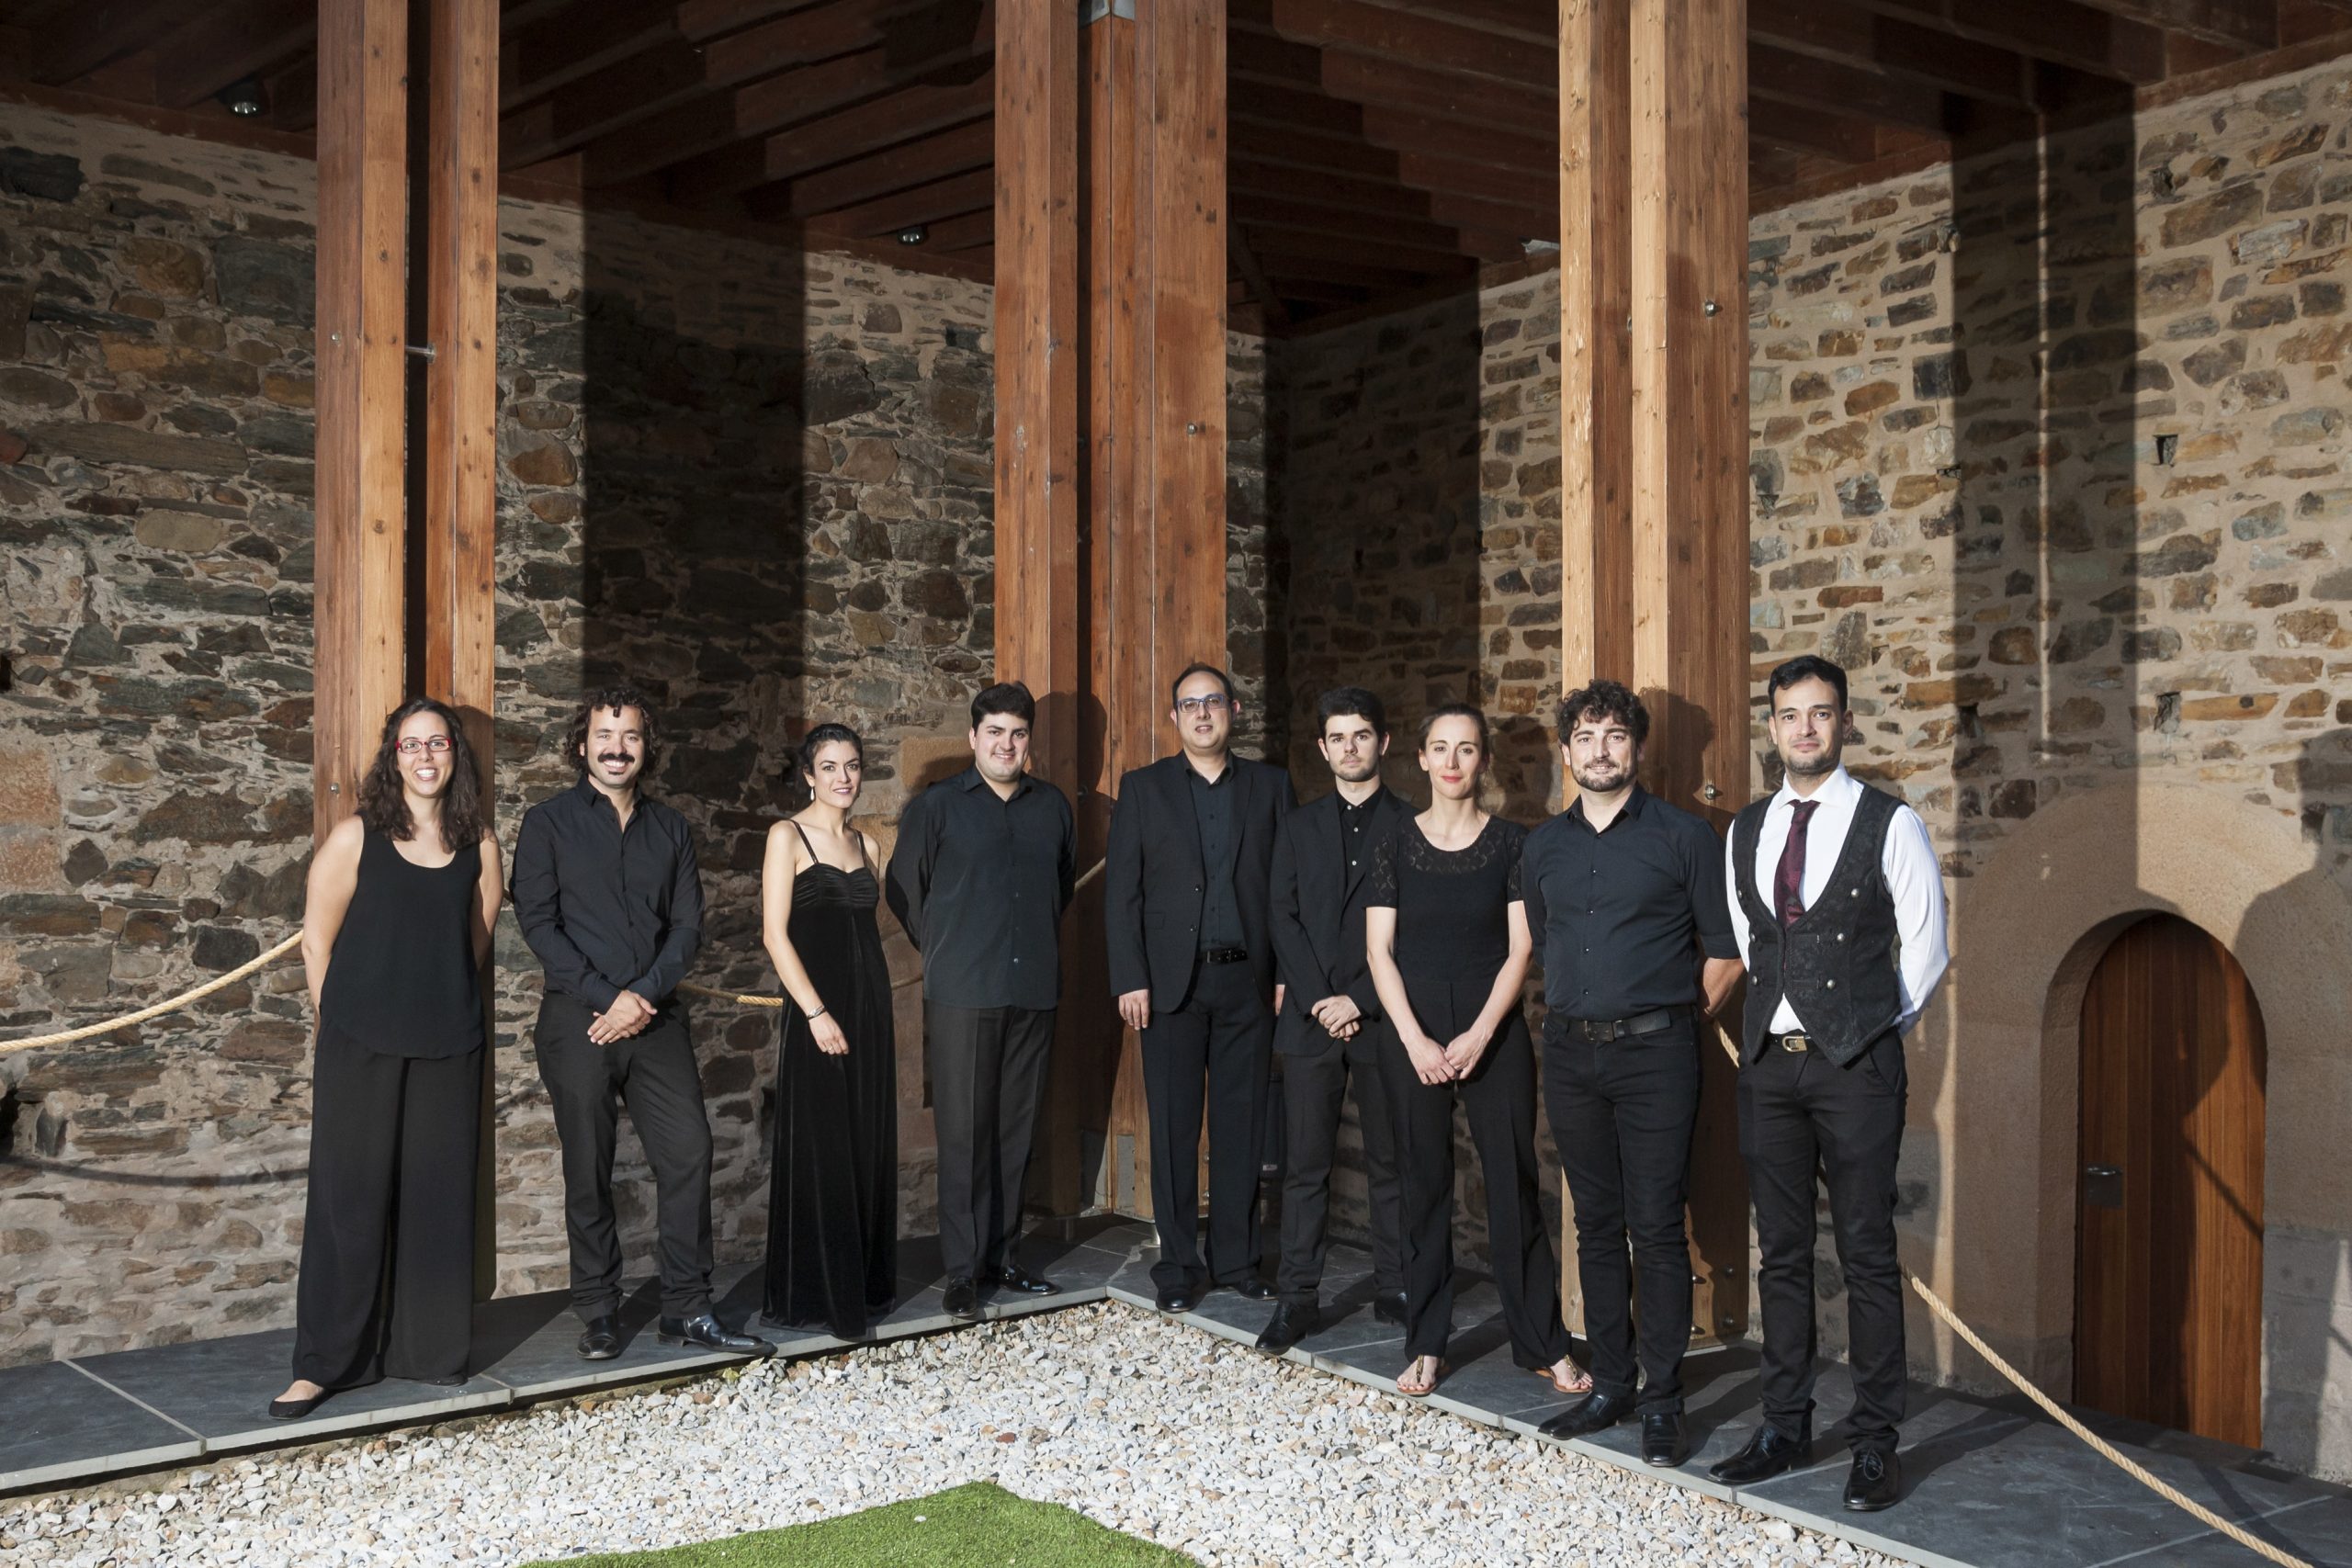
x,y
609,896
1838,905
1185,928
984,864
1626,896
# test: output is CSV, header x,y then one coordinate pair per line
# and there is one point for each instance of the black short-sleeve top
x,y
1452,906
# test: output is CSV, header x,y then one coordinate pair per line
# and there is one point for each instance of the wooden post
x,y
361,502
1690,502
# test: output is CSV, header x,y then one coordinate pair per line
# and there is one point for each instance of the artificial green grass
x,y
977,1526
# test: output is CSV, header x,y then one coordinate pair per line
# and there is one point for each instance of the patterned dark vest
x,y
1837,963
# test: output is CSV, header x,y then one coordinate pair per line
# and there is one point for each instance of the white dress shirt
x,y
1911,876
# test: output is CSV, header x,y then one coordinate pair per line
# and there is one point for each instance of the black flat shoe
x,y
707,1333
1663,1441
1252,1291
1012,1277
1291,1323
295,1409
962,1300
1176,1298
601,1340
1593,1413
1874,1482
1389,1306
1769,1453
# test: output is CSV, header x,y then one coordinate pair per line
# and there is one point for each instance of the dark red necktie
x,y
1788,883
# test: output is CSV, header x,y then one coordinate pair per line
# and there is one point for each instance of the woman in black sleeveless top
x,y
394,933
1446,935
833,1179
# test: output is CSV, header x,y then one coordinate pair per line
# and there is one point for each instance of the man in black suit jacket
x,y
1185,916
1329,1031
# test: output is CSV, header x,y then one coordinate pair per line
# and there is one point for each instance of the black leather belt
x,y
1224,956
1601,1031
1791,1041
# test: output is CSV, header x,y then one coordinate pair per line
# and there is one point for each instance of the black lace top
x,y
1452,906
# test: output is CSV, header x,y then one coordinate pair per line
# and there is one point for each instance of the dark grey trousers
x,y
988,1080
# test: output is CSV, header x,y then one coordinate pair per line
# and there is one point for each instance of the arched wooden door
x,y
2168,1277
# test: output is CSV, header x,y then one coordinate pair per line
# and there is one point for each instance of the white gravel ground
x,y
1145,1425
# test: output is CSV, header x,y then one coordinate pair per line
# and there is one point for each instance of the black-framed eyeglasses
x,y
409,746
1193,707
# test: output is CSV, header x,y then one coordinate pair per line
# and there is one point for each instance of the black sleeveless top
x,y
400,980
1452,906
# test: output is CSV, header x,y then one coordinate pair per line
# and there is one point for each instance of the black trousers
x,y
987,1079
387,1283
1213,1054
1799,1111
654,1073
1499,1101
1313,1091
1621,1115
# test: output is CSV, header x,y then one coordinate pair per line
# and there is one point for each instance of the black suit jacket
x,y
1318,917
1153,883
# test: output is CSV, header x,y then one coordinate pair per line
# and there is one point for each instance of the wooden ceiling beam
x,y
1275,217
1842,137
71,46
923,204
1847,35
1529,21
1284,184
835,138
2243,27
1360,79
1280,142
1472,213
225,45
1537,189
963,230
1351,250
2064,32
571,43
1798,79
1255,286
1409,37
1402,132
1283,266
919,162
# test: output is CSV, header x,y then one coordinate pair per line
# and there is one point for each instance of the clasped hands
x,y
626,1017
1456,1059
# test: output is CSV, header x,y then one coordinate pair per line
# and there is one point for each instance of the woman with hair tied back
x,y
833,1173
395,930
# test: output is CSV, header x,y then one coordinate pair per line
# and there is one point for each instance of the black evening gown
x,y
834,1180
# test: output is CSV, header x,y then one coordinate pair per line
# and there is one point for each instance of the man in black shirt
x,y
608,896
1329,1035
1185,919
984,864
1624,895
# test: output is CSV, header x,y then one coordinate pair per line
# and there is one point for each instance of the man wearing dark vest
x,y
1329,1035
1184,916
1839,907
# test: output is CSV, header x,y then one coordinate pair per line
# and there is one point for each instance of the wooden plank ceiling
x,y
1377,147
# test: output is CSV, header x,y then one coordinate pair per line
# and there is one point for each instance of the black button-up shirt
x,y
607,908
1213,810
1355,820
980,883
1622,916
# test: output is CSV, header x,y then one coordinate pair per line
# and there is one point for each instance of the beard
x,y
1355,773
1819,765
1601,777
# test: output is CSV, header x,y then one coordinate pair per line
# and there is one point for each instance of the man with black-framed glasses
x,y
1187,930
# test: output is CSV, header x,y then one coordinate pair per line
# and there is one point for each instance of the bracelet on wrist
x,y
817,1014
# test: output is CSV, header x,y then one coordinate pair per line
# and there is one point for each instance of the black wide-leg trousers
x,y
654,1074
1314,1091
1800,1112
1622,1114
387,1281
988,1080
1499,1101
1209,1056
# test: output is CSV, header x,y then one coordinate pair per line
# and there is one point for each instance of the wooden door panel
x,y
2169,1303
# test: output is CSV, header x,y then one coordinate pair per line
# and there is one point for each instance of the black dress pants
x,y
1499,1101
1621,1115
1213,1054
387,1282
1313,1091
1800,1111
987,1079
654,1073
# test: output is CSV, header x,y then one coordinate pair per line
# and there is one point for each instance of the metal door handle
x,y
2103,1185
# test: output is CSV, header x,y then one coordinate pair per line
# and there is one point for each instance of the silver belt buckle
x,y
1796,1043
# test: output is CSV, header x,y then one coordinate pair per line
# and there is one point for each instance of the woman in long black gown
x,y
834,1182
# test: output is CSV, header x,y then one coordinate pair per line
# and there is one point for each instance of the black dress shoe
x,y
1595,1412
601,1340
1768,1453
1874,1482
1252,1291
962,1300
1664,1442
1176,1298
1291,1323
295,1409
1013,1278
711,1334
1389,1306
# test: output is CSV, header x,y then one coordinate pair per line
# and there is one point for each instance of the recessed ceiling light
x,y
914,234
243,98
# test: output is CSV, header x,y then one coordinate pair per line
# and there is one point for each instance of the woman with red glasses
x,y
397,926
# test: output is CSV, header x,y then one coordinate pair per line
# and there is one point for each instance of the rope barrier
x,y
1936,1303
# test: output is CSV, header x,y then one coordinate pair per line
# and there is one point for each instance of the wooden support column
x,y
1654,214
362,311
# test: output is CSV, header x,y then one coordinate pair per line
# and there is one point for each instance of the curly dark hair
x,y
1605,700
383,806
575,740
